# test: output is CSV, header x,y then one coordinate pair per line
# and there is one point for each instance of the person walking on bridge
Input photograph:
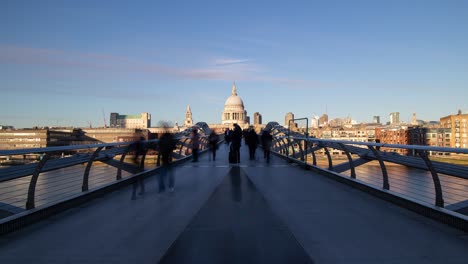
x,y
167,145
252,141
236,139
195,144
213,140
139,148
267,140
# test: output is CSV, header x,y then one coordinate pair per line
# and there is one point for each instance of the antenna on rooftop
x,y
104,117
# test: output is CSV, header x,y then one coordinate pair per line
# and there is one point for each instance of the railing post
x,y
351,163
187,146
306,141
439,200
30,202
122,158
206,142
330,164
182,145
301,150
279,145
84,187
386,184
314,158
286,147
142,161
291,143
274,145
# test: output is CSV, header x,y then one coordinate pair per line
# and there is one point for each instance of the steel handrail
x,y
108,150
385,145
368,151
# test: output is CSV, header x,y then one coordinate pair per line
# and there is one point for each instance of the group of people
x,y
167,144
234,138
213,139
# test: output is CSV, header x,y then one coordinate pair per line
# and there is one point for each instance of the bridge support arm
x,y
84,187
377,155
314,158
142,161
289,148
439,200
122,158
182,145
351,163
30,202
330,163
301,149
286,147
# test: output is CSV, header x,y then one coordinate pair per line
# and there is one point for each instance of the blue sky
x,y
66,62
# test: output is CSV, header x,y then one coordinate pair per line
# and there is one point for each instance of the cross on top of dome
x,y
234,88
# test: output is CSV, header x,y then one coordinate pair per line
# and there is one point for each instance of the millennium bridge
x,y
369,204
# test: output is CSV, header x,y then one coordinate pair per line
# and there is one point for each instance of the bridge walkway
x,y
325,222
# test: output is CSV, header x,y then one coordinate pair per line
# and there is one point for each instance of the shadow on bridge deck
x,y
236,225
314,217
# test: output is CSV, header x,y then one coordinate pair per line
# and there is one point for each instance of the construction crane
x,y
104,117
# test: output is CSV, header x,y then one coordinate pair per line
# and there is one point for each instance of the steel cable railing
x,y
430,180
89,167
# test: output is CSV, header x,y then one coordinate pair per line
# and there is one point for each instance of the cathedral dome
x,y
234,100
234,111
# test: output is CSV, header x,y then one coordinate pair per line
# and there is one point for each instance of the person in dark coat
x,y
213,141
252,142
195,144
236,139
167,145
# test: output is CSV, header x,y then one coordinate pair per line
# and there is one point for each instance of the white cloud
x,y
80,64
229,61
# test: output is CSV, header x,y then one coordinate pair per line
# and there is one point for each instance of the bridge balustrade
x,y
62,173
430,175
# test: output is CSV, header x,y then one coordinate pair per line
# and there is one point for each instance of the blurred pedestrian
x,y
138,147
227,136
195,144
167,144
213,141
236,139
267,140
252,141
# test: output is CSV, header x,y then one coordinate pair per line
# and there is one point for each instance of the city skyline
x,y
65,64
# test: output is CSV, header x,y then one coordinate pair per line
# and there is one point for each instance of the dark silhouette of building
x,y
257,118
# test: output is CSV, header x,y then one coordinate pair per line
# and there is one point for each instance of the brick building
x,y
393,135
459,131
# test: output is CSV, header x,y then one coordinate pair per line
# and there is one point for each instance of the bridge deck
x,y
330,222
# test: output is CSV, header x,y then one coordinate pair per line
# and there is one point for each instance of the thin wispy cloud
x,y
226,62
104,65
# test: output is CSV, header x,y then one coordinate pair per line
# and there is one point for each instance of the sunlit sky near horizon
x,y
64,63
